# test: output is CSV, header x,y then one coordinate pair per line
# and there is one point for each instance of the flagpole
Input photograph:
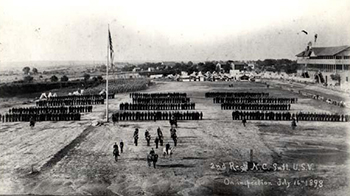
x,y
108,48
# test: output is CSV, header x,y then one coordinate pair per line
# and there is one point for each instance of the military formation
x,y
287,116
55,108
157,95
260,103
254,100
40,117
159,100
235,94
70,101
160,106
51,109
254,106
153,102
155,115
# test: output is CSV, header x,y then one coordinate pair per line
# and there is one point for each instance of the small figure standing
x,y
244,121
32,122
152,152
148,137
121,146
116,152
156,141
160,135
136,136
167,149
294,124
155,159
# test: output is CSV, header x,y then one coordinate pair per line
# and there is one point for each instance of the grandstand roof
x,y
323,51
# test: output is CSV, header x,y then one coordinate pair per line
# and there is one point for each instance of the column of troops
x,y
235,94
155,115
157,95
61,108
280,116
254,100
161,100
51,109
15,117
254,106
160,106
157,101
68,101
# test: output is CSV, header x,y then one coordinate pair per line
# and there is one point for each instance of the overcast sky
x,y
169,30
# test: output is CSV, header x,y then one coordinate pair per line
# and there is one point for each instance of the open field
x,y
76,157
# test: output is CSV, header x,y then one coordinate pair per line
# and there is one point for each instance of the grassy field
x,y
76,157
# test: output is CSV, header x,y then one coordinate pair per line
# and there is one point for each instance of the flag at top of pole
x,y
111,51
110,55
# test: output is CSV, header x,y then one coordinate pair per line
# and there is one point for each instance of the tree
x,y
35,70
86,77
54,78
64,78
100,78
103,68
26,70
27,79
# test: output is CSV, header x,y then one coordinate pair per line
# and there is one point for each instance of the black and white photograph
x,y
175,98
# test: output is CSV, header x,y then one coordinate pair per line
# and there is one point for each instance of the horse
x,y
170,152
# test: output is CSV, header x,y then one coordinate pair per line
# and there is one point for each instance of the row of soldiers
x,y
40,117
159,106
287,116
150,115
51,109
161,100
254,100
68,101
158,95
80,97
254,106
235,94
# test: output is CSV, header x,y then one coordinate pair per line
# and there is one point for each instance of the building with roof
x,y
327,65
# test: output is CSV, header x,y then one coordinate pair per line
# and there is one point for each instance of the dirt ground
x,y
75,158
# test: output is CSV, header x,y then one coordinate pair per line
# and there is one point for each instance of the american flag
x,y
111,51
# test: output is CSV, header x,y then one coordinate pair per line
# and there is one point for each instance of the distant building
x,y
238,66
325,63
136,69
155,76
150,69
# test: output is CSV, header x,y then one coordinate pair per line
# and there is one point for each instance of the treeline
x,y
275,65
91,86
13,89
177,67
